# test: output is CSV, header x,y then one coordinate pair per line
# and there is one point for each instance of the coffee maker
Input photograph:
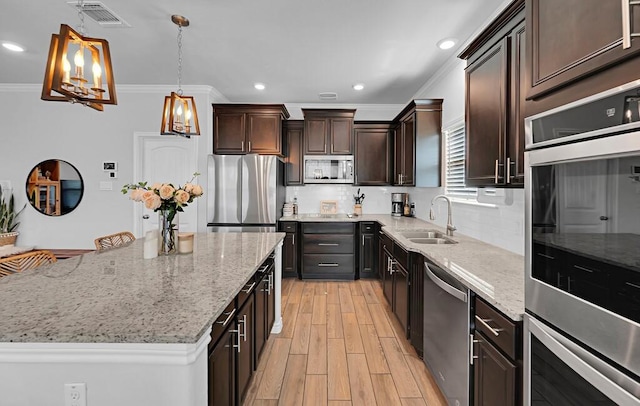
x,y
397,203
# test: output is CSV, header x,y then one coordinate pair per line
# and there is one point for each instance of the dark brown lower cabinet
x,y
289,249
368,250
401,296
416,302
494,375
222,383
245,354
387,275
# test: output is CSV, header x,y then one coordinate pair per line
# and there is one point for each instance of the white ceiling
x,y
297,48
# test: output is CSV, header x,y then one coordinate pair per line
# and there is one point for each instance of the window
x,y
455,155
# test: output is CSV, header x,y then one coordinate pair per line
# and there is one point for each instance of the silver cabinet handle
x,y
496,172
472,353
328,264
508,170
494,331
583,268
327,244
249,288
293,240
242,146
244,328
270,284
363,240
633,285
249,146
237,333
229,316
626,24
545,255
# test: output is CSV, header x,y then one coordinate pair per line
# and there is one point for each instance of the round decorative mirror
x,y
54,187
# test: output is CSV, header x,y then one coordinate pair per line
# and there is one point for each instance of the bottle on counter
x,y
412,209
407,208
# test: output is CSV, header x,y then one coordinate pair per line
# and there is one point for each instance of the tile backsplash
x,y
500,224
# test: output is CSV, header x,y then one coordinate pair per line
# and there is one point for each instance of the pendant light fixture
x,y
65,81
180,116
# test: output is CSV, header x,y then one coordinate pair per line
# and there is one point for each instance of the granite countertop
x,y
116,296
495,274
615,249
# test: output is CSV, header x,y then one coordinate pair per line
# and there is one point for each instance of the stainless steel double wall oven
x,y
582,252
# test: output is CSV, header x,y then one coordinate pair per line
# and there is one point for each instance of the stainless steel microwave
x,y
328,169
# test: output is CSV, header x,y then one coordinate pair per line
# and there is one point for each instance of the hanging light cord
x,y
179,60
80,8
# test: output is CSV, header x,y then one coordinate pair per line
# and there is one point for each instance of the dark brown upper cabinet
x,y
248,128
494,104
293,138
417,142
373,156
571,39
328,131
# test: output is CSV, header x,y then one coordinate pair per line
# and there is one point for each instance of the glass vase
x,y
168,225
357,209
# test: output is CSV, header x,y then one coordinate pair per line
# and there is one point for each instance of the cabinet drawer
x,y
327,264
222,323
247,290
385,241
328,244
491,322
288,226
367,227
328,228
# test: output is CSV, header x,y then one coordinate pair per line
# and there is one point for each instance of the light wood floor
x,y
341,345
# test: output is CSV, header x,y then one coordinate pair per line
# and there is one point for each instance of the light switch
x,y
106,185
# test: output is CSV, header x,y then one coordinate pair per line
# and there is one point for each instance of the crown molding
x,y
295,109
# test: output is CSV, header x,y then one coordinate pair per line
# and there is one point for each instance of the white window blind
x,y
455,161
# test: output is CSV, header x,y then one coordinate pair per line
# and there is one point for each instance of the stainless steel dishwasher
x,y
447,328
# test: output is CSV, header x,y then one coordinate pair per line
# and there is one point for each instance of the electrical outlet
x,y
75,394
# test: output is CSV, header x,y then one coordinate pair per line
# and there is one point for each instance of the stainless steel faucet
x,y
450,227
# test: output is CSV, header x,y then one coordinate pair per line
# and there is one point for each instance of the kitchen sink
x,y
427,237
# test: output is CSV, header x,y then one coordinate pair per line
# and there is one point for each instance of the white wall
x,y
34,130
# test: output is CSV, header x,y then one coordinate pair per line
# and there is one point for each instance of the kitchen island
x,y
135,331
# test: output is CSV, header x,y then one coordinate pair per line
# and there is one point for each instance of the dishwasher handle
x,y
457,293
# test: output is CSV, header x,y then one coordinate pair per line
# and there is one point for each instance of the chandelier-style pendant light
x,y
62,83
180,116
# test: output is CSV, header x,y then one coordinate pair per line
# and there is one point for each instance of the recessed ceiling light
x,y
446,43
358,86
259,86
13,47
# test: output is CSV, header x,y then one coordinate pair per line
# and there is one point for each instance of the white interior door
x,y
164,159
582,197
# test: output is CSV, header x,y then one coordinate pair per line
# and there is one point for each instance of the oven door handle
x,y
458,294
604,377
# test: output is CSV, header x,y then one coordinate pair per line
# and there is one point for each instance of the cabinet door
x,y
265,132
260,317
494,376
221,371
387,279
293,167
518,86
245,356
368,245
401,297
570,39
486,116
408,151
382,262
271,302
416,294
229,131
315,136
372,156
341,130
289,256
398,153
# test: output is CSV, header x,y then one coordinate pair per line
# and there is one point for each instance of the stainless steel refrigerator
x,y
245,192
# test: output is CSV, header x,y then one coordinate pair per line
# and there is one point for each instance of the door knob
x,y
604,218
146,217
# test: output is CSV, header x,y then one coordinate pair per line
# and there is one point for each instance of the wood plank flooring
x,y
340,346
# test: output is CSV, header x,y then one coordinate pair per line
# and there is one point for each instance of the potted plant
x,y
8,223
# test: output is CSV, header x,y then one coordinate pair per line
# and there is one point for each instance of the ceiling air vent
x,y
99,13
328,96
